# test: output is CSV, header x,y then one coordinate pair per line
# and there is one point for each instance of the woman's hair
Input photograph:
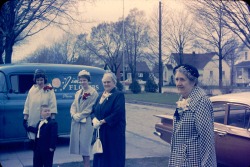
x,y
111,75
39,74
84,74
189,71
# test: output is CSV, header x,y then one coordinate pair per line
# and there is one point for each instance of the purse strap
x,y
97,133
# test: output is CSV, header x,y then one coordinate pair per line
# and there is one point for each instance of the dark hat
x,y
190,69
39,74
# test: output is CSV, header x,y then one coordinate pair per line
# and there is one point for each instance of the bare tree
x,y
237,18
231,58
81,53
106,43
60,52
67,50
41,55
20,19
54,54
213,35
136,39
179,33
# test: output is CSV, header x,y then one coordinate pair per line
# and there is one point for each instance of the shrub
x,y
151,86
135,87
119,86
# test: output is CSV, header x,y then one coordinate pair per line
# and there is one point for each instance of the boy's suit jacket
x,y
48,135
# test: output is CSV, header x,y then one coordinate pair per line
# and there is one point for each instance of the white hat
x,y
83,72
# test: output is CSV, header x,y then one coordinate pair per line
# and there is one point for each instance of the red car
x,y
231,128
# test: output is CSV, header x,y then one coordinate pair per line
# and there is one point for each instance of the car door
x,y
13,115
232,135
3,98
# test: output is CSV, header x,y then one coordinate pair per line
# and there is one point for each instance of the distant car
x,y
231,127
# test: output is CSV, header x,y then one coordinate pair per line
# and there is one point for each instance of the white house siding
x,y
244,55
211,73
167,75
242,76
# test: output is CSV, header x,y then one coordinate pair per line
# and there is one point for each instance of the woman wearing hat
x,y
41,93
192,141
81,125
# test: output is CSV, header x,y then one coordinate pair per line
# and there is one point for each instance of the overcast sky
x,y
100,11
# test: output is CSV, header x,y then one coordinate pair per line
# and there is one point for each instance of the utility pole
x,y
160,59
123,57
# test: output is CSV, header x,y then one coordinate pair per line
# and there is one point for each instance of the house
x,y
142,71
168,78
207,65
242,68
167,75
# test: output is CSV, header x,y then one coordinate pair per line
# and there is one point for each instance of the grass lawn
x,y
161,98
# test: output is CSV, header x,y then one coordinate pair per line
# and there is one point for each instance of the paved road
x,y
140,141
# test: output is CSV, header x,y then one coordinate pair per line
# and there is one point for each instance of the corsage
x,y
182,105
47,88
85,96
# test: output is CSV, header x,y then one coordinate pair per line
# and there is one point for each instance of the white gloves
x,y
96,123
77,117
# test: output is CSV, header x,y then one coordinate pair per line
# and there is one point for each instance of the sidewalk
x,y
140,141
137,147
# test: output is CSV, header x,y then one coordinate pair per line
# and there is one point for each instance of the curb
x,y
150,103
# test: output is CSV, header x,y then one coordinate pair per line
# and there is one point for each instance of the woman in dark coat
x,y
109,115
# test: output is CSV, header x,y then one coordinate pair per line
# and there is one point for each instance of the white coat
x,y
35,98
81,128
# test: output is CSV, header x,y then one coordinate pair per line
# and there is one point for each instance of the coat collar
x,y
195,95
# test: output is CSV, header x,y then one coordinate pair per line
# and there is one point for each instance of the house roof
x,y
142,67
243,64
197,60
156,68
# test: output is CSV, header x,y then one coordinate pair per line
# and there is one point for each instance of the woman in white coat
x,y
39,94
81,125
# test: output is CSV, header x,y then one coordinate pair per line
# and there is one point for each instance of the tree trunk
x,y
10,36
1,53
232,73
220,70
1,48
8,50
1,59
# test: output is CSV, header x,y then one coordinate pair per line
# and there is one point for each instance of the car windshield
x,y
237,115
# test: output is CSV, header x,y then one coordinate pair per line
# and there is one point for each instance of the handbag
x,y
97,147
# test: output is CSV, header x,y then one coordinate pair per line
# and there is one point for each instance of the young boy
x,y
46,137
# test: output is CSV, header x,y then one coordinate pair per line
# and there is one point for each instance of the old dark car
x,y
231,128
